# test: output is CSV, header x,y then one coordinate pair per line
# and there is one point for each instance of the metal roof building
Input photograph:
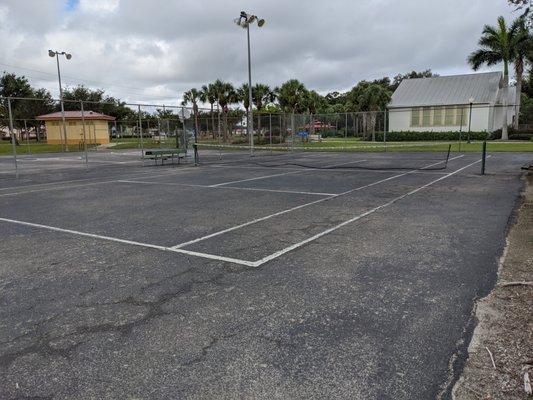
x,y
442,103
449,90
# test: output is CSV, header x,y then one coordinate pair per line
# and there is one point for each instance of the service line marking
x,y
226,187
255,221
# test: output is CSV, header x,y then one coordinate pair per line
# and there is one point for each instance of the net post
x,y
483,157
448,156
12,134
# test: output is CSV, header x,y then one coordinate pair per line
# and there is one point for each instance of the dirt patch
x,y
501,350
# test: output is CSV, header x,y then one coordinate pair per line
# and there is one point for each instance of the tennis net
x,y
330,155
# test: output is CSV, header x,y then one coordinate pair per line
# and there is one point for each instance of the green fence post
x,y
483,157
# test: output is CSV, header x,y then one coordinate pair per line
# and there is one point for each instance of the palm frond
x,y
482,56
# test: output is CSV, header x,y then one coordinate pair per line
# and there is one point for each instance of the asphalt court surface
x,y
238,280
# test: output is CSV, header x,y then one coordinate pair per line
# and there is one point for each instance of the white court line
x,y
330,170
373,210
229,259
69,160
256,178
255,221
55,188
226,187
145,174
48,183
282,174
130,242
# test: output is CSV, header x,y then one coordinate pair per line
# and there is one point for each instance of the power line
x,y
138,92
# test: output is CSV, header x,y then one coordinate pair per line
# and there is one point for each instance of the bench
x,y
315,138
164,154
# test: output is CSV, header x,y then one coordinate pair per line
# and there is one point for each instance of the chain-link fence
x,y
30,126
287,128
34,126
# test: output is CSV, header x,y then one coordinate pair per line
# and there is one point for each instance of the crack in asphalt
x,y
154,310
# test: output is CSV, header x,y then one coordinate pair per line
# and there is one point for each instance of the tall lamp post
x,y
68,56
471,101
244,20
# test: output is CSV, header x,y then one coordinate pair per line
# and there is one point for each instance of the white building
x,y
443,104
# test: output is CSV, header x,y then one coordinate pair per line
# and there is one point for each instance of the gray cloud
x,y
154,50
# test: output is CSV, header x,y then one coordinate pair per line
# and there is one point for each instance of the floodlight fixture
x,y
51,53
68,56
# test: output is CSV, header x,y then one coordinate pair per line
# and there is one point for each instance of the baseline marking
x,y
200,239
357,217
130,242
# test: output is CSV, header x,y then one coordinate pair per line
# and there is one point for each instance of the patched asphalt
x,y
377,309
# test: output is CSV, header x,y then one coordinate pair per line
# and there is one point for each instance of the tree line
x,y
294,97
290,97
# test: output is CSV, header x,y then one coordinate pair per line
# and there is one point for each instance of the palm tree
x,y
374,99
291,96
192,96
208,95
498,44
261,96
524,51
244,96
226,95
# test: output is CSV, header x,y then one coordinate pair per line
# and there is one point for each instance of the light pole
x,y
244,21
471,101
68,56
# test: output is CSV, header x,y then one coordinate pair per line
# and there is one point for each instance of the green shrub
x,y
327,133
429,136
521,136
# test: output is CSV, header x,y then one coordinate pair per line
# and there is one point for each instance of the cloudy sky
x,y
153,50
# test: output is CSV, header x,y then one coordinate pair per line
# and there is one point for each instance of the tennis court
x,y
321,274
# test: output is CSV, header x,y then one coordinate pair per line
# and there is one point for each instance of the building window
x,y
415,117
449,116
437,116
426,116
461,116
72,123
